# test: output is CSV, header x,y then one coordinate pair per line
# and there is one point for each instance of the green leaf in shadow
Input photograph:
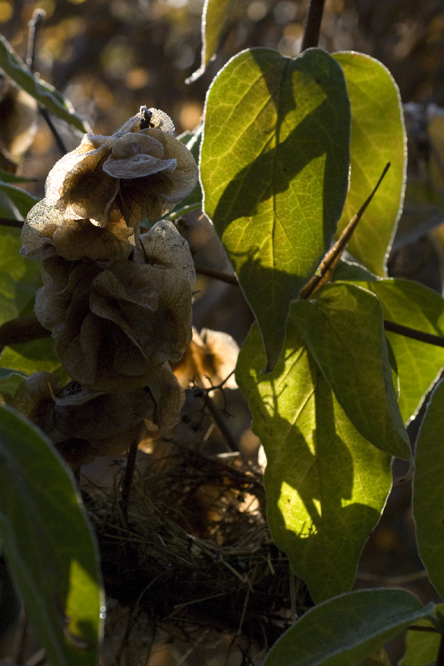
x,y
49,546
377,137
274,171
428,497
326,485
344,630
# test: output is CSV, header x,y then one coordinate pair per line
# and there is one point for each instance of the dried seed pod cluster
x,y
118,303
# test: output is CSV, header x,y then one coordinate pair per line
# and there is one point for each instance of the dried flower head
x,y
210,359
83,424
46,233
115,327
140,171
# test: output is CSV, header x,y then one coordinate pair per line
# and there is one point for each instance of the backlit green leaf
x,y
421,646
428,497
344,630
274,170
418,364
377,137
45,94
343,327
326,485
214,16
49,545
411,304
33,356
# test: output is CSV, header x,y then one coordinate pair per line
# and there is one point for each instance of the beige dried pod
x,y
140,171
209,360
84,424
46,233
115,327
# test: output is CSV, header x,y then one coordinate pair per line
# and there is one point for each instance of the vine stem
x,y
440,656
313,27
8,222
331,259
35,25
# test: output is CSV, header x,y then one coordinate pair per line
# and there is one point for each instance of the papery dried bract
x,y
84,424
46,233
139,172
209,360
115,327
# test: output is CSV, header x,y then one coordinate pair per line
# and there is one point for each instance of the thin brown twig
x,y
313,27
128,477
440,656
34,25
414,334
220,423
7,222
217,275
418,627
332,257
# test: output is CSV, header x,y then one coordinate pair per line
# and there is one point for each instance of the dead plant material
x,y
193,549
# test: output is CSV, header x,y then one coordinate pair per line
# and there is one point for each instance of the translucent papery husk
x,y
84,424
141,172
115,327
164,246
209,360
46,233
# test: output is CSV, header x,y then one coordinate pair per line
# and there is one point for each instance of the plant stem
x,y
217,275
313,27
332,257
128,478
408,332
440,656
7,222
35,25
418,627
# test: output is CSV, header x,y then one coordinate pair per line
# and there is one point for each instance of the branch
x,y
313,27
7,222
332,257
217,275
408,332
35,25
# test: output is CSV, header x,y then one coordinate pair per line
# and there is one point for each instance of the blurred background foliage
x,y
111,56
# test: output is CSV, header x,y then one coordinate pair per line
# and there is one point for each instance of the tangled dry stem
x,y
193,550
